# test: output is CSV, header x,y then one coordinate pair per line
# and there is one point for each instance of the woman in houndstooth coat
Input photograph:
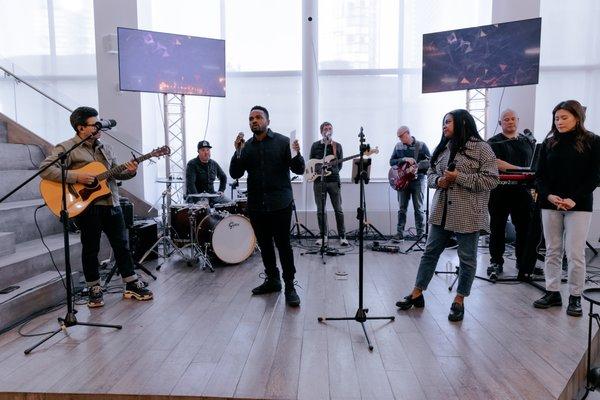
x,y
463,171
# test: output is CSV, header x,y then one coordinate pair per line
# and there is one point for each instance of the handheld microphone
x,y
105,124
451,166
529,135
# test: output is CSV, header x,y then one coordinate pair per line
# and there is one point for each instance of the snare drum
x,y
229,237
182,216
229,207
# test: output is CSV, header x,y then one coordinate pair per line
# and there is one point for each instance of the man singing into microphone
x,y
104,215
268,160
513,150
331,184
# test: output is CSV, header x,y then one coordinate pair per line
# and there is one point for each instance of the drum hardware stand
x,y
361,313
297,225
196,253
425,235
164,241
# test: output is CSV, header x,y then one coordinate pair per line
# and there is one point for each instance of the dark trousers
x,y
515,201
92,222
334,190
274,226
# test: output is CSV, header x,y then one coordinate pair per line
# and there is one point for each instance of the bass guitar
x,y
316,167
80,196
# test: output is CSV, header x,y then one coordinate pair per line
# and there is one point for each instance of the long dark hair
x,y
583,138
464,130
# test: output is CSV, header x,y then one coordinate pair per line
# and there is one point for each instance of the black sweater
x,y
564,172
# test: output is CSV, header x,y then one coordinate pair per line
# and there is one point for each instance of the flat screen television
x,y
169,63
488,56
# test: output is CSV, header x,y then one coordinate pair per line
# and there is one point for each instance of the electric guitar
x,y
316,167
80,196
401,176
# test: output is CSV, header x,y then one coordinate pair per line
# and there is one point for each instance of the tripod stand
x,y
297,225
369,228
361,312
69,319
164,241
324,249
417,243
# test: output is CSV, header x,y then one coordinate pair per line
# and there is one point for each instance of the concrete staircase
x,y
24,261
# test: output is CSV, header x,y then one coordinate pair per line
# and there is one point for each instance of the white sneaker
x,y
318,242
344,242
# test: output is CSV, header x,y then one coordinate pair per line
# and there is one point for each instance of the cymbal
x,y
165,180
202,195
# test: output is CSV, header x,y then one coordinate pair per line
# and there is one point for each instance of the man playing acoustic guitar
x,y
409,152
104,215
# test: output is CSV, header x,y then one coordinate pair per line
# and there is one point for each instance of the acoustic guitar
x,y
317,166
80,196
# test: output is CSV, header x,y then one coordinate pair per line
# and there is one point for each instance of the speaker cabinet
x,y
142,235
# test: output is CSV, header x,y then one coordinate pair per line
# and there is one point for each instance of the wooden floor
x,y
205,335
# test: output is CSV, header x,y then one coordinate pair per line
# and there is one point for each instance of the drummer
x,y
200,175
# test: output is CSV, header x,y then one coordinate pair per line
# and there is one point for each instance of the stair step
x,y
34,294
18,217
31,258
20,156
12,178
7,244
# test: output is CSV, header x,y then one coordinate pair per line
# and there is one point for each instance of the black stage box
x,y
142,235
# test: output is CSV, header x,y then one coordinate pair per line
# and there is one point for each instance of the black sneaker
x,y
457,312
574,307
494,270
270,285
550,299
95,298
137,290
408,302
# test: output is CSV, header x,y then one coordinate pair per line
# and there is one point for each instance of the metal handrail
x,y
19,79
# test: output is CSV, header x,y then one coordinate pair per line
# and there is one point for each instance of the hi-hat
x,y
202,195
165,180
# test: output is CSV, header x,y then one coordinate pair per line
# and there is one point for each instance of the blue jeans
x,y
415,190
467,255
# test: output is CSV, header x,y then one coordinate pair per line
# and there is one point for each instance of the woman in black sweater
x,y
567,175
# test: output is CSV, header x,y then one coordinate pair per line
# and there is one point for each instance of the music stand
x,y
362,176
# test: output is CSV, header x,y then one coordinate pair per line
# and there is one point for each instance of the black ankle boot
x,y
457,312
270,285
408,302
550,299
574,307
291,297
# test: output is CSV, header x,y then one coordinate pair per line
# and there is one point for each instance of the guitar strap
x,y
334,147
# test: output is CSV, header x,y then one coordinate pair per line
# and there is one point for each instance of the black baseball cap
x,y
204,143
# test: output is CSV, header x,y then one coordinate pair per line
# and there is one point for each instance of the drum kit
x,y
223,232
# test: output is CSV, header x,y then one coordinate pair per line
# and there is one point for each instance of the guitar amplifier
x,y
142,235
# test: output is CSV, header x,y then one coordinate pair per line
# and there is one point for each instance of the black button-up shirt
x,y
200,177
268,163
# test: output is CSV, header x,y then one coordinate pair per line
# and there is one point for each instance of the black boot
x,y
574,307
291,297
550,299
270,285
408,302
457,312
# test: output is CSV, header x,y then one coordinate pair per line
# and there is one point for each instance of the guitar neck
x,y
111,173
343,159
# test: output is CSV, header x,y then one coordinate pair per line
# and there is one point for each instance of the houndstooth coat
x,y
467,198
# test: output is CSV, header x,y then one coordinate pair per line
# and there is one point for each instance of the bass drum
x,y
229,237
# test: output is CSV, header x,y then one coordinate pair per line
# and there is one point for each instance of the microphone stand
x,y
70,319
324,249
361,313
